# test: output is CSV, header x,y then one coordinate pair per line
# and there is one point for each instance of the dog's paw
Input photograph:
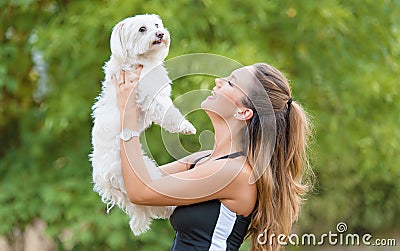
x,y
186,128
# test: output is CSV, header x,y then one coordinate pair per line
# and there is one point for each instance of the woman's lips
x,y
212,96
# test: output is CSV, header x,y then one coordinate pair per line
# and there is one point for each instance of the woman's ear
x,y
244,114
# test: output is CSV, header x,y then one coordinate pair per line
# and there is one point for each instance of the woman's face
x,y
228,93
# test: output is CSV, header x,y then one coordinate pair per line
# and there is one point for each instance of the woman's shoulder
x,y
194,156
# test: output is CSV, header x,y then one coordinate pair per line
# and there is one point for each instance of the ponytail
x,y
279,159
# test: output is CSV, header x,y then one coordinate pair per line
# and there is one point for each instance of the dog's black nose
x,y
159,34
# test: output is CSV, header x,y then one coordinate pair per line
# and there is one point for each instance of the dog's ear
x,y
117,42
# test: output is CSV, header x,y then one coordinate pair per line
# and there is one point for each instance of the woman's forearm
x,y
134,170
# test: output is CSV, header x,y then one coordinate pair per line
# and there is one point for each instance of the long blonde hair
x,y
275,141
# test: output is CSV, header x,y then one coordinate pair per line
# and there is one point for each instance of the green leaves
x,y
342,58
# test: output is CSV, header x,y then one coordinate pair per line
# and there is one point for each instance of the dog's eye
x,y
142,29
156,25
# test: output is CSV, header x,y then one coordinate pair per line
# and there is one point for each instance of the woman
x,y
252,180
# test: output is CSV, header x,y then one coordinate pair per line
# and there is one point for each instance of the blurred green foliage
x,y
342,57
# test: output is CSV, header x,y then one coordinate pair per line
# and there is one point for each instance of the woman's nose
x,y
218,82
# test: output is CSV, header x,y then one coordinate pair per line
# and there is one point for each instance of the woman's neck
x,y
227,137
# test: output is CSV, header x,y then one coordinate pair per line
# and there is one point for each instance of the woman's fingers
x,y
124,78
125,87
119,81
138,70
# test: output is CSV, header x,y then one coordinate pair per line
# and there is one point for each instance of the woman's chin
x,y
204,104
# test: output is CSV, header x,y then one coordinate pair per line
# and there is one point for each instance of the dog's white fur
x,y
133,41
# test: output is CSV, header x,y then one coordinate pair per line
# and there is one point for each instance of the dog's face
x,y
140,36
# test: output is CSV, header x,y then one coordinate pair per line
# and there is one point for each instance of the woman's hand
x,y
126,91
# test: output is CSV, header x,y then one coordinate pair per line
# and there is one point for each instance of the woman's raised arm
x,y
213,180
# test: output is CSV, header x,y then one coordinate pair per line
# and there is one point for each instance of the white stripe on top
x,y
223,228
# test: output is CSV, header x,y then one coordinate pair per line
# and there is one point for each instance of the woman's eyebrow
x,y
235,83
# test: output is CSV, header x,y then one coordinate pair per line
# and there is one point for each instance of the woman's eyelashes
x,y
229,82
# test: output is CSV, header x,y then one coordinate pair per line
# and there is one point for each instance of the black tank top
x,y
208,225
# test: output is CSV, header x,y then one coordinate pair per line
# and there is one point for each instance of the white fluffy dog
x,y
143,40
